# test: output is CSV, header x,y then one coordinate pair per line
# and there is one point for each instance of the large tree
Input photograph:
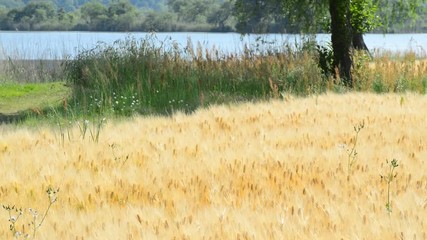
x,y
341,37
347,20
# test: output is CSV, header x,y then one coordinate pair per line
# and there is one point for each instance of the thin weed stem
x,y
389,178
352,152
13,219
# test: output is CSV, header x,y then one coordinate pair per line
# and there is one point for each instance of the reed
x,y
150,76
164,78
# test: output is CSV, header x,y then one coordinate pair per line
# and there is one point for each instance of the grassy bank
x,y
139,76
153,79
272,170
20,101
148,76
20,97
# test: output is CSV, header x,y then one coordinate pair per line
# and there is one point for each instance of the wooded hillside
x,y
157,15
71,5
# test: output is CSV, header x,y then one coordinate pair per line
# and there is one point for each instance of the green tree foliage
x,y
158,21
94,14
32,14
220,15
401,14
191,10
347,20
256,16
279,16
285,16
72,5
8,4
364,16
121,15
156,5
215,15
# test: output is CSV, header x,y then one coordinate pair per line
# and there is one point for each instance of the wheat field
x,y
271,170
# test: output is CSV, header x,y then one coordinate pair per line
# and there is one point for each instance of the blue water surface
x,y
62,45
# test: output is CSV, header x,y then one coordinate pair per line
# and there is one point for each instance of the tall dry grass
x,y
389,72
251,171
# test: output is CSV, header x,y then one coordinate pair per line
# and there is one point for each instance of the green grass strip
x,y
20,97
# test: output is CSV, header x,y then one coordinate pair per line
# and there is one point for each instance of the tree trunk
x,y
359,43
341,38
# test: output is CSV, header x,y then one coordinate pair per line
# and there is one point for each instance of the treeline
x,y
146,16
121,15
71,5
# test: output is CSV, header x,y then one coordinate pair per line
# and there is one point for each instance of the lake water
x,y
60,45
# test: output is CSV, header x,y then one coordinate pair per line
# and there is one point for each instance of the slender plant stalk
x,y
352,153
389,178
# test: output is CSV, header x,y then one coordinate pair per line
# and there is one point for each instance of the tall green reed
x,y
160,77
